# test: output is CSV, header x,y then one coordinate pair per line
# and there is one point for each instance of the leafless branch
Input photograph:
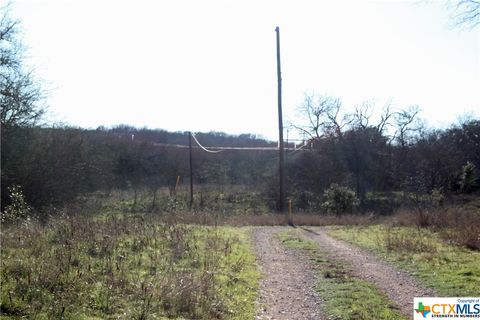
x,y
466,13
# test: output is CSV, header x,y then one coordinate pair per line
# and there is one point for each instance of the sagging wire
x,y
204,149
298,149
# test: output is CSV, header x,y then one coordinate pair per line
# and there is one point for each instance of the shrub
x,y
18,208
467,178
339,199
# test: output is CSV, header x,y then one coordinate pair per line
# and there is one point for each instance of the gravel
x,y
396,284
287,288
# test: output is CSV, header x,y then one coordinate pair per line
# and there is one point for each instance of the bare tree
x,y
321,116
22,99
406,121
312,113
466,12
362,116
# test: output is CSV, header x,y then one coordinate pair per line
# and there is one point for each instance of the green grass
x,y
240,287
345,297
294,239
450,269
126,267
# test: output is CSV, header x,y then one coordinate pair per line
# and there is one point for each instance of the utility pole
x,y
281,169
191,167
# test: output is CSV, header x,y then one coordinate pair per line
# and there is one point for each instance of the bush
x,y
467,178
339,199
18,208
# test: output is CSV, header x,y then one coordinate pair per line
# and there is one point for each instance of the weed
x,y
124,266
454,224
393,239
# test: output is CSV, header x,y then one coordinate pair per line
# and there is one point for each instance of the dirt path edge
x,y
399,286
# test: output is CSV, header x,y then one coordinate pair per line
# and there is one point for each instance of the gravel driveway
x,y
287,288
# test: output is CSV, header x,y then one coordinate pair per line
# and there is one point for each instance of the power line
x,y
182,146
204,149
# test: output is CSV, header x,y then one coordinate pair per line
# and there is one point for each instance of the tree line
x,y
54,165
397,152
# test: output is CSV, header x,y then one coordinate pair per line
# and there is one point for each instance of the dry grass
x,y
124,267
273,219
394,239
455,224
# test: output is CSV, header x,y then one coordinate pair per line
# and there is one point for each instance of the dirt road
x,y
287,288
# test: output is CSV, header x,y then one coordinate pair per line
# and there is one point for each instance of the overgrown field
x,y
126,267
450,269
227,201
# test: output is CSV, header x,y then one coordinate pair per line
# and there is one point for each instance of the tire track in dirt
x,y
397,284
287,287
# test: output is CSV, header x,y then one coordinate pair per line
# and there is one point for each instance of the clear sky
x,y
210,65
